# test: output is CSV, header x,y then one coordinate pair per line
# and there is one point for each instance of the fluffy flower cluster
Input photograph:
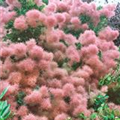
x,y
45,71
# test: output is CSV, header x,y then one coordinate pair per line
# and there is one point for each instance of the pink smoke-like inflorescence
x,y
62,92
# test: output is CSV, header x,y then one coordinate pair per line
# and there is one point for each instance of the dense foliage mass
x,y
59,60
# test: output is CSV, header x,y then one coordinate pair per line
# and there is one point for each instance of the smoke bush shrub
x,y
53,54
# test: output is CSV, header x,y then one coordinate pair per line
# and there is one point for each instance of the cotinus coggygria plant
x,y
53,56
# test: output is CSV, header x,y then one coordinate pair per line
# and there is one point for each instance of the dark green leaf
x,y
78,46
76,65
45,1
100,55
20,98
99,7
64,42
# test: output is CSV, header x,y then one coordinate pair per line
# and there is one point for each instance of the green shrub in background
x,y
101,110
